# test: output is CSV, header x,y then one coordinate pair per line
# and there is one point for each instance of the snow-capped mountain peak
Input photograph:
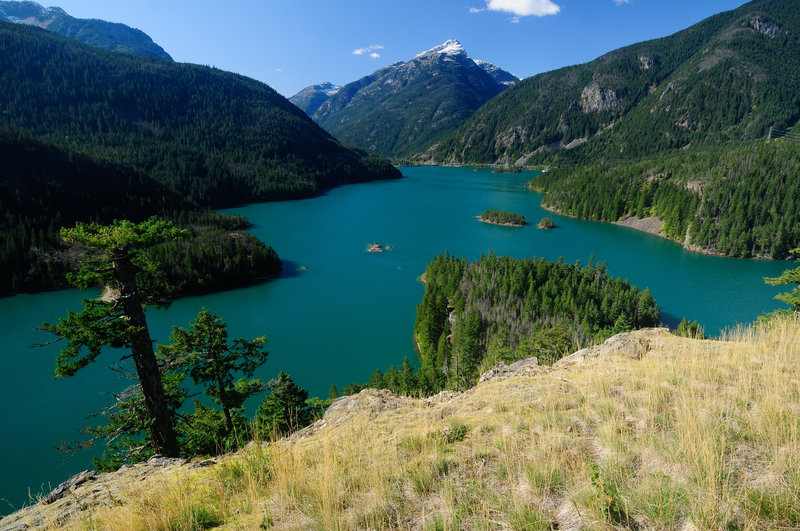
x,y
328,88
451,47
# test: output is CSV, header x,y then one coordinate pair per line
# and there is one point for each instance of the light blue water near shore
x,y
339,312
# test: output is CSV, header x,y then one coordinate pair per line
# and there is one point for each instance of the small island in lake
x,y
501,217
507,169
378,248
546,224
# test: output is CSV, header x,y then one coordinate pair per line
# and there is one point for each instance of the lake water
x,y
339,312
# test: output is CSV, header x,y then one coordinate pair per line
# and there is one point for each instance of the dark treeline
x,y
475,314
503,218
43,188
214,137
740,202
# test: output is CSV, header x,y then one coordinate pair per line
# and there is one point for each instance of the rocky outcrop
x,y
650,225
526,367
594,98
634,345
88,490
765,27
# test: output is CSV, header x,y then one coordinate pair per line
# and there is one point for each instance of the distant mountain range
x,y
726,79
406,106
99,33
311,98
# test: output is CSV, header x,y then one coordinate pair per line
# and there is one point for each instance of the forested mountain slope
x,y
90,135
43,188
100,33
740,202
726,79
404,107
214,137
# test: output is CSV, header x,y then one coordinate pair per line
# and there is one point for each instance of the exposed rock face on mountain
x,y
108,35
311,98
726,79
404,107
596,99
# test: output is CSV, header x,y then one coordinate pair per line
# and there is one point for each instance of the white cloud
x,y
476,10
524,8
620,2
370,50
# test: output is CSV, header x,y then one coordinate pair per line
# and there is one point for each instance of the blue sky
x,y
290,44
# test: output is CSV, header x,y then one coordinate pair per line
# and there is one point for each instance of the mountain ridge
x,y
725,79
215,137
406,105
112,36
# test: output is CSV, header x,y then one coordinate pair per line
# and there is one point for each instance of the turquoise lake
x,y
339,312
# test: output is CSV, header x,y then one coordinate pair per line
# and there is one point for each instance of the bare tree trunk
x,y
161,430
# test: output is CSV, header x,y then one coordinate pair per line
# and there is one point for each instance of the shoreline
x,y
646,225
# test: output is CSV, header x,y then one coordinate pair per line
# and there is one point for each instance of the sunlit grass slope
x,y
663,433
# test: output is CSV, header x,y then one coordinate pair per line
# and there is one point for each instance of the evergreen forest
x,y
739,202
214,137
44,188
476,314
501,217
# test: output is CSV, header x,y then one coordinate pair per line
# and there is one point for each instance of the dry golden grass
x,y
696,435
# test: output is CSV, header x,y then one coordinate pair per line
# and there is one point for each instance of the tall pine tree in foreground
x,y
113,256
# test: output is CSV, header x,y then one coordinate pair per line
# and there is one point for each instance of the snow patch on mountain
x,y
451,47
502,77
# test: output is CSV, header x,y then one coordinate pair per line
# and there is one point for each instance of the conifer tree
x,y
113,256
284,409
204,352
790,276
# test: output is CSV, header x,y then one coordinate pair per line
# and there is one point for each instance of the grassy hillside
x,y
685,434
727,79
214,137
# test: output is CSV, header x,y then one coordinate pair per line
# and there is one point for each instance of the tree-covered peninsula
x,y
476,314
44,187
740,202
